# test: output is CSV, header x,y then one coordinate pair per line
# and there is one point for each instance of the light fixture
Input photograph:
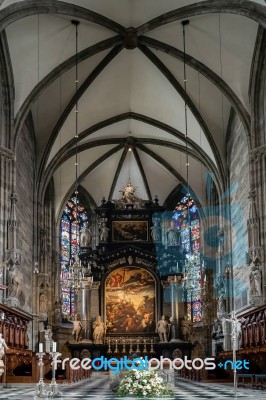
x,y
73,276
191,273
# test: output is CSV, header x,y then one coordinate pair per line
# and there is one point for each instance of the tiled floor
x,y
98,387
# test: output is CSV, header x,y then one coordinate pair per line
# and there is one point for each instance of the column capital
x,y
6,154
258,153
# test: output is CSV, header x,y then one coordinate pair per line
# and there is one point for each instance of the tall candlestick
x,y
40,348
54,347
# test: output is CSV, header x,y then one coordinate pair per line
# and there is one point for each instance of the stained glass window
x,y
187,221
190,237
69,241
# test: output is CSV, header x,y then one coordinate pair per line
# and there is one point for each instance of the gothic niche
x,y
130,301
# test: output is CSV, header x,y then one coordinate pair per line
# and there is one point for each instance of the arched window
x,y
186,221
69,246
189,225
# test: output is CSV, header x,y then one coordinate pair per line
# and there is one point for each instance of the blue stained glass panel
x,y
69,245
186,217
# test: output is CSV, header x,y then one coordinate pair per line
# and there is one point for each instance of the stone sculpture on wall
x,y
77,329
217,329
98,330
15,284
186,329
221,307
172,235
43,303
255,281
156,230
163,329
104,233
85,236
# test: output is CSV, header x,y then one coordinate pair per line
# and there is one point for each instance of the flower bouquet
x,y
145,383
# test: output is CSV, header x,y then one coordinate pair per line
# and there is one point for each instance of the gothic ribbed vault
x,y
131,93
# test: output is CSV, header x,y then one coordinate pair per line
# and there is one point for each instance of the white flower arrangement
x,y
139,384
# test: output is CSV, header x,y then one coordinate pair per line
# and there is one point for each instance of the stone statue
x,y
128,193
77,329
98,330
155,230
104,233
255,281
172,235
163,329
220,284
221,307
186,328
14,281
217,329
3,346
43,304
57,313
173,329
85,236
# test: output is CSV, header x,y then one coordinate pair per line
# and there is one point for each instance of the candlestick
x,y
54,347
116,347
54,390
124,346
109,351
152,349
41,389
137,349
145,347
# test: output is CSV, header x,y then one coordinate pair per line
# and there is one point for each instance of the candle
x,y
54,347
40,348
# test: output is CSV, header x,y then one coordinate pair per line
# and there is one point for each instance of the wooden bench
x,y
260,381
246,380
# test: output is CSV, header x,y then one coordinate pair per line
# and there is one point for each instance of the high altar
x,y
132,285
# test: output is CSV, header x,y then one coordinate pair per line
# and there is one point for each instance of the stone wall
x,y
239,184
24,188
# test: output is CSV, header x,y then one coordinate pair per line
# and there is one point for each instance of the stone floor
x,y
97,387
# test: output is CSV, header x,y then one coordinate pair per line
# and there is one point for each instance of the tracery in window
x,y
186,220
69,244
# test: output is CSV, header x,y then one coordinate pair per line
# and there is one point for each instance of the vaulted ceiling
x,y
131,119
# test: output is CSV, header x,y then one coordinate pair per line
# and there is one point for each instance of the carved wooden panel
x,y
14,328
254,329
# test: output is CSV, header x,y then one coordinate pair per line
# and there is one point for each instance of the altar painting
x,y
130,301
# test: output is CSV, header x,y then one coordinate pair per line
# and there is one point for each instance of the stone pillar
x,y
86,309
176,297
254,254
16,296
95,300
